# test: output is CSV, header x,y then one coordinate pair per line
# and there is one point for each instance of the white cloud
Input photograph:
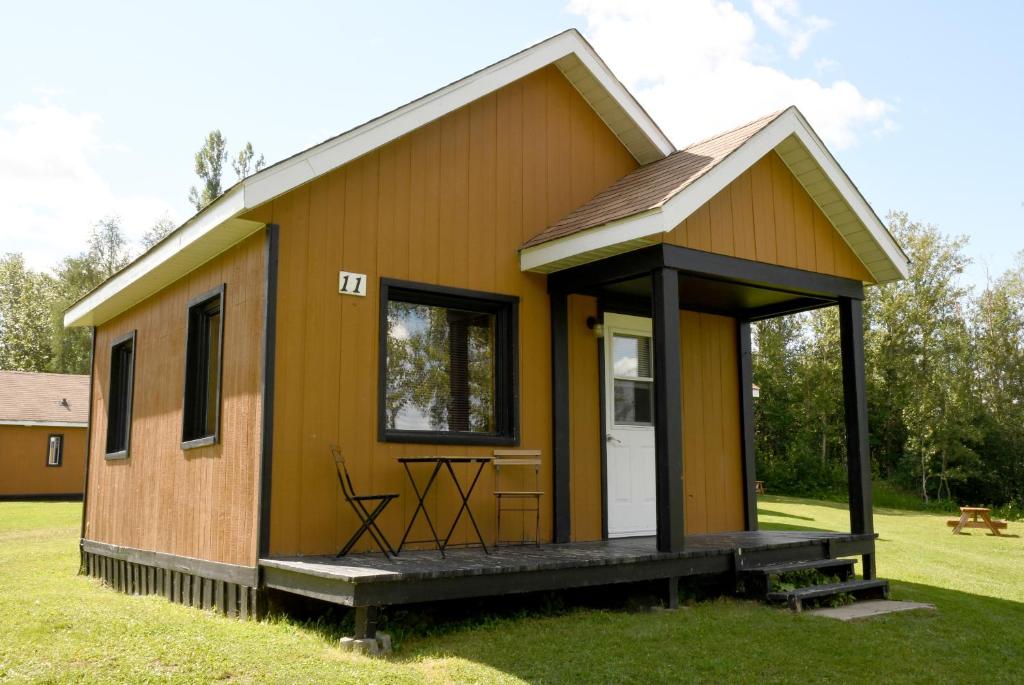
x,y
697,67
784,17
52,192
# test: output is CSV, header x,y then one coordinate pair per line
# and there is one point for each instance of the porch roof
x,y
655,198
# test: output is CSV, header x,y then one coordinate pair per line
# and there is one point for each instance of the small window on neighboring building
x,y
55,450
448,365
119,396
203,357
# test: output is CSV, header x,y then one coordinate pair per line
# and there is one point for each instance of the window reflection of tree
x,y
440,369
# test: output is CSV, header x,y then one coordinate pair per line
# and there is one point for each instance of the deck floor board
x,y
472,561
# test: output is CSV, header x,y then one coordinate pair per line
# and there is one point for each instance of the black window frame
x,y
60,450
129,390
194,405
505,308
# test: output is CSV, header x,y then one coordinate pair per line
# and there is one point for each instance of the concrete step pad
x,y
869,609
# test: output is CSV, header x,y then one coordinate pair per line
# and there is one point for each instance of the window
x,y
634,380
119,396
204,354
449,365
55,450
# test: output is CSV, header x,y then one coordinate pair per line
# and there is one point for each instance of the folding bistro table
x,y
421,496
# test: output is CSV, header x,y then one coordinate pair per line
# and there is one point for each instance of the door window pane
x,y
631,356
634,403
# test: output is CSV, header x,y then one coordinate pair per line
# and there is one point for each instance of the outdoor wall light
x,y
596,326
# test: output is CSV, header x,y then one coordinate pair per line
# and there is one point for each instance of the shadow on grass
x,y
608,634
425,620
771,525
701,644
782,514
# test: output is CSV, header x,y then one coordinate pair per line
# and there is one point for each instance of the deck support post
x,y
858,454
672,599
366,623
560,450
747,425
668,409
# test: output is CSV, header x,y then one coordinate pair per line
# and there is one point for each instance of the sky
x,y
103,104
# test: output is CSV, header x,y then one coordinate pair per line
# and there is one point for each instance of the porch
x,y
661,281
373,580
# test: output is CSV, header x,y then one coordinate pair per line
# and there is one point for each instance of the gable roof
x,y
657,197
652,185
43,399
220,225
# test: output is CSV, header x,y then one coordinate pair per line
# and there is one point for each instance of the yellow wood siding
x,y
712,463
200,502
765,215
447,204
23,454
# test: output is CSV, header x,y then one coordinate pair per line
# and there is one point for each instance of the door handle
x,y
612,438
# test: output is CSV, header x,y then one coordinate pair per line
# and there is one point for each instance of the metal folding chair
x,y
527,498
359,503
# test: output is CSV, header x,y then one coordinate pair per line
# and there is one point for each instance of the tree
x,y
919,349
157,232
209,165
244,161
25,301
998,323
106,254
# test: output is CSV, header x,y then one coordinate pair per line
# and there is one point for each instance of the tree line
x,y
32,302
945,379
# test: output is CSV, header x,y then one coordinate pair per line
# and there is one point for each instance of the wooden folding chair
x,y
527,500
367,516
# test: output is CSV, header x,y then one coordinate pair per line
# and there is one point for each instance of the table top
x,y
450,460
970,509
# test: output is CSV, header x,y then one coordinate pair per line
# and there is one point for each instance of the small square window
x,y
204,355
119,396
55,450
448,365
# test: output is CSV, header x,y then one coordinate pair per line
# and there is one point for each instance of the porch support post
x,y
560,415
668,409
858,456
747,426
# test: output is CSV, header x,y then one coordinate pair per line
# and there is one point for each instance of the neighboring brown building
x,y
43,421
520,259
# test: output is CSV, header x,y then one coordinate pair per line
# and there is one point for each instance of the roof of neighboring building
x,y
652,185
27,397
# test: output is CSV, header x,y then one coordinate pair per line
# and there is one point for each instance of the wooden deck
x,y
422,575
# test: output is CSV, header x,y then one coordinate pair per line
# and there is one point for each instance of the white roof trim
x,y
157,268
53,424
631,232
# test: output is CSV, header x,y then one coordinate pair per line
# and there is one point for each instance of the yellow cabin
x,y
517,266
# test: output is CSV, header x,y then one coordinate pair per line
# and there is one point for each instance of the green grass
x,y
56,626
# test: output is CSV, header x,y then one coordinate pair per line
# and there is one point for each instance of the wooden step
x,y
860,589
823,565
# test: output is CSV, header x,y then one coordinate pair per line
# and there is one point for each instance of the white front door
x,y
629,417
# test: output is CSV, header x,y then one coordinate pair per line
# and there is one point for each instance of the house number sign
x,y
351,283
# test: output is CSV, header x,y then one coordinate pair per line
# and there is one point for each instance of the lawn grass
x,y
56,626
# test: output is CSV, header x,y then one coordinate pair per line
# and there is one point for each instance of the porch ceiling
x,y
712,296
709,283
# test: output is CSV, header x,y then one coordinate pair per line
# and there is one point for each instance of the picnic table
x,y
969,519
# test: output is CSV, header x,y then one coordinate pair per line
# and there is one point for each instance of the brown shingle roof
x,y
652,185
28,396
